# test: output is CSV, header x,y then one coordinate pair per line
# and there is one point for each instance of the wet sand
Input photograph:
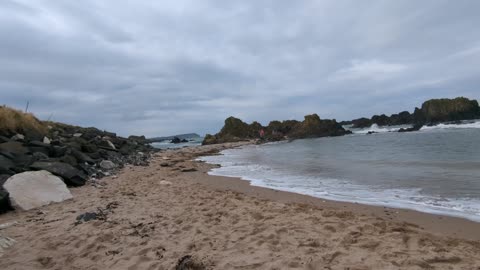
x,y
152,217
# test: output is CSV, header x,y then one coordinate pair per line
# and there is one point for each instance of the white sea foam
x,y
472,124
232,165
378,129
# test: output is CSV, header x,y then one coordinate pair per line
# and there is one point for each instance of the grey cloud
x,y
162,67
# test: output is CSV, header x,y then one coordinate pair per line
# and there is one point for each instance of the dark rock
x,y
138,139
59,151
43,150
176,140
189,170
371,132
189,263
69,160
6,164
15,148
70,175
184,141
5,205
88,216
4,139
39,156
89,148
38,144
7,155
81,157
362,123
414,128
89,170
209,139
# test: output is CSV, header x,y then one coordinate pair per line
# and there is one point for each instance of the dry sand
x,y
154,216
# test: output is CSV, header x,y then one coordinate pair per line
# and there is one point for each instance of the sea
x,y
168,145
434,170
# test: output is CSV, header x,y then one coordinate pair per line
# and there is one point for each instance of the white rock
x,y
107,165
165,183
111,144
5,242
29,190
18,137
76,135
7,225
46,140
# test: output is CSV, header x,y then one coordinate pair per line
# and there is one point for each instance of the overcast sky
x,y
167,67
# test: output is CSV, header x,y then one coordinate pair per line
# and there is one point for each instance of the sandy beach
x,y
173,215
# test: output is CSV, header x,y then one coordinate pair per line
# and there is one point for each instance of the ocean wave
x,y
234,165
378,129
470,124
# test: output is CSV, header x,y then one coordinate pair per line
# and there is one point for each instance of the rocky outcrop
x,y
236,130
445,110
431,112
70,152
29,190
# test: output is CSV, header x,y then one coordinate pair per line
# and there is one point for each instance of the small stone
x,y
189,170
165,183
46,140
111,144
87,217
107,165
18,137
77,135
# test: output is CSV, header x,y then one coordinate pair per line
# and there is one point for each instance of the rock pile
x,y
72,153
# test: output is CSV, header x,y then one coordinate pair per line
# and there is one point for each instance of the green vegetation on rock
x,y
236,130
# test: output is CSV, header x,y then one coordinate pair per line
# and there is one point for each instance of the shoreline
x,y
156,216
452,226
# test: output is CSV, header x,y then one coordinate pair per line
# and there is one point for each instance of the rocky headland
x,y
431,112
70,154
312,126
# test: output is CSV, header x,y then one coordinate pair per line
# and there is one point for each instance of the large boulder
x,y
29,190
70,175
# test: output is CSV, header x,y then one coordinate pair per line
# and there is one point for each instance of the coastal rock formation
x,y
431,112
236,130
444,110
31,190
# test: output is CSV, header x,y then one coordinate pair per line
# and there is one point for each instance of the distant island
x,y
432,112
170,138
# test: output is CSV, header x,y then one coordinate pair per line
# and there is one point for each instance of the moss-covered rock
x,y
236,130
443,110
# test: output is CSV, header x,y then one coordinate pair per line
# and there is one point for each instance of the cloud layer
x,y
165,67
